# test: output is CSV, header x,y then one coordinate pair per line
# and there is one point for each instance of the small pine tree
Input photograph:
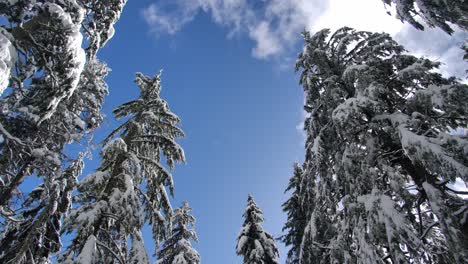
x,y
435,13
177,249
253,243
129,188
380,154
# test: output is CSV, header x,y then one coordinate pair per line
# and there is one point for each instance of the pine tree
x,y
253,243
99,22
52,87
36,236
129,188
381,157
38,150
43,65
296,216
43,47
177,249
434,13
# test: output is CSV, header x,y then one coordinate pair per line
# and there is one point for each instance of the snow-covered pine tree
x,y
296,216
53,89
44,46
43,49
434,13
177,249
35,235
129,188
254,244
101,15
381,157
37,150
42,64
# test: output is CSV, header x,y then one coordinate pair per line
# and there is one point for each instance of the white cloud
x,y
437,45
369,15
275,25
235,14
170,17
284,21
266,43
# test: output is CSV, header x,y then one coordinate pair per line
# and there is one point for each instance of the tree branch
x,y
110,251
454,191
428,229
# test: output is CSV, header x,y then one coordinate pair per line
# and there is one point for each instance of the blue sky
x,y
239,115
229,75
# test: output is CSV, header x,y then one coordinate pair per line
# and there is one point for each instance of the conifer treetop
x,y
177,249
253,243
129,189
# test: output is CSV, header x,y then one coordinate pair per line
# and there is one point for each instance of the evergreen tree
x,y
434,13
296,216
381,157
42,46
38,150
177,249
52,88
35,235
43,65
129,188
253,243
101,15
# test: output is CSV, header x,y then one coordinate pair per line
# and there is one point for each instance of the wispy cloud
x,y
266,43
275,25
369,15
281,22
170,16
437,45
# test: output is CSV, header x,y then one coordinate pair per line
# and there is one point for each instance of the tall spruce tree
x,y
253,243
434,13
297,218
177,249
381,157
52,87
129,188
